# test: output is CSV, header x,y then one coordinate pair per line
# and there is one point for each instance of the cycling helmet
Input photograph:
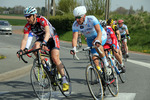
x,y
115,22
103,23
120,21
29,11
79,11
109,21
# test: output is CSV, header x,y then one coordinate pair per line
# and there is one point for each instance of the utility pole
x,y
45,7
53,7
107,10
48,10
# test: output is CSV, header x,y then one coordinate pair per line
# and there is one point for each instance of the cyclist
x,y
117,33
93,31
123,31
112,41
46,37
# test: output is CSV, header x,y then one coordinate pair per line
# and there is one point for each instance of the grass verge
x,y
2,57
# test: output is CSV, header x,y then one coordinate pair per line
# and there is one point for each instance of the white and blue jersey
x,y
88,29
122,29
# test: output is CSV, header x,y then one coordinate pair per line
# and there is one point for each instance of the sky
x,y
114,3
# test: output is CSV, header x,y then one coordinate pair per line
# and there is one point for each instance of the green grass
x,y
21,15
2,57
16,22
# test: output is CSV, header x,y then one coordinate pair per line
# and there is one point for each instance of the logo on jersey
x,y
81,27
25,29
88,25
42,22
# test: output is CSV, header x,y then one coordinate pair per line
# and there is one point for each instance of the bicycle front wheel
x,y
94,83
60,85
40,81
113,81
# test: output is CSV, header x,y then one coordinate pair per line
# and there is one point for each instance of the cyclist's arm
x,y
74,39
127,32
119,36
47,34
24,41
99,33
29,42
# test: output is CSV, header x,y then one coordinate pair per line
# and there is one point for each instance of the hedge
x,y
62,22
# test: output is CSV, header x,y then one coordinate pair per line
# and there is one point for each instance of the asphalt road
x,y
137,86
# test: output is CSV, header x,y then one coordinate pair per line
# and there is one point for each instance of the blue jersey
x,y
87,28
122,29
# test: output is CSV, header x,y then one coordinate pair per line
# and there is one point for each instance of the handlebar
x,y
85,49
30,51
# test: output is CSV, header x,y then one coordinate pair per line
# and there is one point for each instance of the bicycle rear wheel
x,y
113,81
40,81
122,76
94,83
60,85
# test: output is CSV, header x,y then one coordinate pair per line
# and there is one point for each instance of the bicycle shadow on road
x,y
16,90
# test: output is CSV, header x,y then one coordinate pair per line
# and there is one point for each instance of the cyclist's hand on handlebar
x,y
25,50
73,51
113,46
44,46
19,53
97,43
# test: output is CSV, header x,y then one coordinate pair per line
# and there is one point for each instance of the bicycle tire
x,y
97,81
113,87
59,83
40,82
79,43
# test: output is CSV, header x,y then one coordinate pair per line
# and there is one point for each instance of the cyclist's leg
x,y
125,44
54,47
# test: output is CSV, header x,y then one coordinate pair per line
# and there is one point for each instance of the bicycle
x,y
123,50
79,42
43,80
116,64
97,81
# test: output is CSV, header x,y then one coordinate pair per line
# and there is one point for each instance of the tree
x,y
95,6
142,8
131,11
121,10
67,6
43,11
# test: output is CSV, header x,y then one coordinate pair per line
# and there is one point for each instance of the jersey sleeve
x,y
95,21
74,28
113,37
43,22
27,29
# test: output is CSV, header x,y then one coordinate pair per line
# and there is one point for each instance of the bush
x,y
62,22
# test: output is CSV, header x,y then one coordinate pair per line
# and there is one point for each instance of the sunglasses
x,y
28,16
78,17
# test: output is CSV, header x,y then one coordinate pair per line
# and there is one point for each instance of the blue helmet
x,y
29,11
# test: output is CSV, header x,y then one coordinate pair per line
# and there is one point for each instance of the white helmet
x,y
79,11
30,11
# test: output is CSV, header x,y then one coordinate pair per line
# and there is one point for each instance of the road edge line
x,y
14,73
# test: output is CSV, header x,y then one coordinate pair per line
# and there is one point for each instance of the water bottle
x,y
48,64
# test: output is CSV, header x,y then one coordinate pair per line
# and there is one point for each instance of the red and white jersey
x,y
111,37
38,27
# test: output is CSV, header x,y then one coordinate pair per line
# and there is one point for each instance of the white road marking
x,y
122,96
56,95
139,63
3,92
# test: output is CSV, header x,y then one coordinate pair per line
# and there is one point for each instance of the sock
x,y
105,61
64,79
121,65
99,68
